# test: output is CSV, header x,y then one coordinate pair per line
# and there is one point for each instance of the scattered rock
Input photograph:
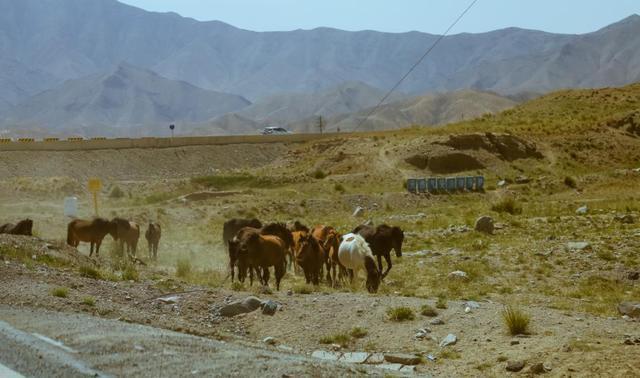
x,y
402,358
269,340
539,368
408,369
627,219
354,357
522,180
485,224
582,210
238,307
289,292
629,309
578,246
450,339
323,355
515,342
472,304
515,366
502,183
436,321
458,274
269,307
375,359
390,366
421,333
336,347
169,300
285,348
358,212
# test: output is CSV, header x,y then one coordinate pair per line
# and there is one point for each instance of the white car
x,y
274,130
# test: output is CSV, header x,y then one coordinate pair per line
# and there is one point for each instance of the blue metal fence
x,y
446,184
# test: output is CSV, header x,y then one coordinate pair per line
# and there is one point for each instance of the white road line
x,y
5,372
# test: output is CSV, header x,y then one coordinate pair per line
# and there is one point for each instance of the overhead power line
x,y
416,64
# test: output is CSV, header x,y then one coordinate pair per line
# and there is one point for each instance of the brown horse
x,y
90,231
231,227
330,241
382,240
310,257
129,234
24,227
265,251
153,234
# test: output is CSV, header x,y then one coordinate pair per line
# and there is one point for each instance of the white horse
x,y
354,254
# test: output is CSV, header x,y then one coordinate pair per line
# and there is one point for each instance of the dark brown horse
x,y
310,257
264,251
282,231
231,227
129,234
382,240
153,234
24,227
90,231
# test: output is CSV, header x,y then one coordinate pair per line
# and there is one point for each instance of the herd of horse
x,y
123,231
253,248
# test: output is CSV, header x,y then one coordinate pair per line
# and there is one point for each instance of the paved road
x,y
50,344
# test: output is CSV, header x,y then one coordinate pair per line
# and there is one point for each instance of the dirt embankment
x,y
132,164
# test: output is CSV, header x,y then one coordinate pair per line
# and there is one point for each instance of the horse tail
x,y
69,239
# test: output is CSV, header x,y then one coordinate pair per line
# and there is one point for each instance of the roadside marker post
x,y
94,186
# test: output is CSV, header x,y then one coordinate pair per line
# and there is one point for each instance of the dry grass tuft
x,y
399,314
516,320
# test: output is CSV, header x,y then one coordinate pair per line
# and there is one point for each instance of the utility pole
x,y
320,124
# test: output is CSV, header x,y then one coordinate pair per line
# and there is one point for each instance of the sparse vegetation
x,y
507,204
427,310
116,192
89,301
358,332
342,339
570,182
89,272
130,273
399,314
302,289
318,174
60,292
516,320
441,302
183,267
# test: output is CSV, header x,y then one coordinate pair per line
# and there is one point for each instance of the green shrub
x,y
318,174
341,339
183,267
358,332
89,301
516,320
571,182
441,303
399,314
507,205
427,310
116,192
302,289
130,273
60,292
339,188
89,272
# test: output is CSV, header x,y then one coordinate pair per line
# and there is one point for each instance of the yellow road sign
x,y
94,185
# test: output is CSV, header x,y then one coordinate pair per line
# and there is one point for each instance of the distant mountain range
x,y
68,48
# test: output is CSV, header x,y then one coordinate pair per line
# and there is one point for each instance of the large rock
x,y
458,275
515,366
450,339
630,309
328,356
269,307
238,307
402,358
485,224
578,246
354,357
582,210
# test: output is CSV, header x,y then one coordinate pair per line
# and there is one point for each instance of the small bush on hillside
x,y
130,273
427,310
441,303
358,332
302,289
339,188
60,292
570,182
507,205
516,320
89,272
341,339
183,268
89,301
318,174
399,314
116,192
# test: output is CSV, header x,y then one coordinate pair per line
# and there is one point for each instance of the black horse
x,y
382,240
232,226
24,227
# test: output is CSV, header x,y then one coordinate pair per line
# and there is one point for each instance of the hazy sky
x,y
559,16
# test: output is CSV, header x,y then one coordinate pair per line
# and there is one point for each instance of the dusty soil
x,y
572,344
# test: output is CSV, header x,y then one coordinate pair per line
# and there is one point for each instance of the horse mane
x,y
297,226
370,264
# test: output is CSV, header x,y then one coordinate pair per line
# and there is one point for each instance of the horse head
x,y
25,227
374,276
398,239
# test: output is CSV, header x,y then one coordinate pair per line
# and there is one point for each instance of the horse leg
x,y
379,263
98,243
91,249
265,276
387,257
279,270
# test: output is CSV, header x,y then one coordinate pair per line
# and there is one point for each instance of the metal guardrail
x,y
435,185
